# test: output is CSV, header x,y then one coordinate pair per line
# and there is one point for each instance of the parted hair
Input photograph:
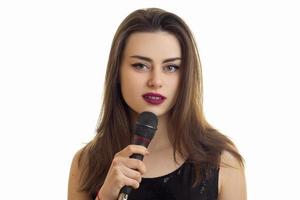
x,y
189,132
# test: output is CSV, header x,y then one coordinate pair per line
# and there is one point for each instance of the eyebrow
x,y
150,60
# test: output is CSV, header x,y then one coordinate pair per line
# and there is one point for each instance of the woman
x,y
154,66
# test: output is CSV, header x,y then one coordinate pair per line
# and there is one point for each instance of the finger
x,y
129,163
135,165
118,176
131,182
131,173
131,149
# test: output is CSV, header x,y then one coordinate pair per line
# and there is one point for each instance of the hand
x,y
123,171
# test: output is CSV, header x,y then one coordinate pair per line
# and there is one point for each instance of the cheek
x,y
130,86
174,84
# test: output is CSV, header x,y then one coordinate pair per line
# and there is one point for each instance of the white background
x,y
53,56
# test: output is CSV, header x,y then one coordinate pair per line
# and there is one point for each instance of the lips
x,y
154,98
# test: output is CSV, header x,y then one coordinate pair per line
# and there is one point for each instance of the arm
x,y
232,180
123,171
73,184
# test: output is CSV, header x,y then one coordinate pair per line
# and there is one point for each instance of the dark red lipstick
x,y
154,98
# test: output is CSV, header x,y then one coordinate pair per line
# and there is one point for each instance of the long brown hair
x,y
189,132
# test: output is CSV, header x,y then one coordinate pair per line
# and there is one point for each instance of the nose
x,y
155,79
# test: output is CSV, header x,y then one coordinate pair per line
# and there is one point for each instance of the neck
x,y
160,141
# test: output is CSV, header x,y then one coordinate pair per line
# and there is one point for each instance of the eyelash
x,y
137,65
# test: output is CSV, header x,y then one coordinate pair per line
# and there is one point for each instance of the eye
x,y
171,68
140,66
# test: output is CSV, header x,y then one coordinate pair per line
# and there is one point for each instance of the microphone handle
x,y
125,191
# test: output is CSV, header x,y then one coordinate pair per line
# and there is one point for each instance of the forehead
x,y
156,45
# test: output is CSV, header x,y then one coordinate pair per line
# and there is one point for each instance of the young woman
x,y
154,66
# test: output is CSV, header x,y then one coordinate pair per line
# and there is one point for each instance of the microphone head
x,y
146,125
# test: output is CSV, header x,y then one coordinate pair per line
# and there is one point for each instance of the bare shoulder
x,y
232,181
228,159
74,175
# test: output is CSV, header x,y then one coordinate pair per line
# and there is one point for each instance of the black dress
x,y
177,185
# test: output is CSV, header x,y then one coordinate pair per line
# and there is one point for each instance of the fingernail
x,y
147,152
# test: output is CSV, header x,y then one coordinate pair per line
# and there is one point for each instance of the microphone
x,y
145,128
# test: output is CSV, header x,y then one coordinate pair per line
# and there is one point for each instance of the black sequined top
x,y
177,185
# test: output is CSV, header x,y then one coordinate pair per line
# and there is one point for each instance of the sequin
x,y
177,185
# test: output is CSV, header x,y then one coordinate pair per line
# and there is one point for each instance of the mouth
x,y
154,98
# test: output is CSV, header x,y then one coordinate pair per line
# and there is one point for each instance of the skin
x,y
153,75
137,77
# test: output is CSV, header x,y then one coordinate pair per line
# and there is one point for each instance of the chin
x,y
157,111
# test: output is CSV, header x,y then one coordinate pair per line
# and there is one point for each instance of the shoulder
x,y
74,178
232,181
75,161
79,160
228,159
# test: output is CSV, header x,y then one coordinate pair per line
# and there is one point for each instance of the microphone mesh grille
x,y
148,118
